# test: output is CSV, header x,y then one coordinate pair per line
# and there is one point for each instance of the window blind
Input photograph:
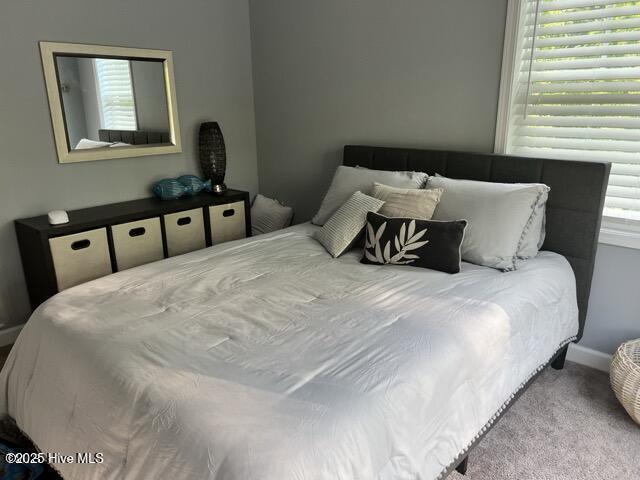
x,y
575,90
115,94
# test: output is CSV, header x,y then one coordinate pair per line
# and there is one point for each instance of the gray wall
x,y
411,73
212,60
614,306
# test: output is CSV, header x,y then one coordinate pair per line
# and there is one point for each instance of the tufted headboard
x,y
134,137
574,208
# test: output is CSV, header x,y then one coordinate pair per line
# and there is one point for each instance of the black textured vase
x,y
213,155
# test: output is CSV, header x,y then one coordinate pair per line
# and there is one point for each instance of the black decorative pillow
x,y
418,243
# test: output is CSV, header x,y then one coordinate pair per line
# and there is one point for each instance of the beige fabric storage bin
x,y
227,222
184,231
137,243
80,257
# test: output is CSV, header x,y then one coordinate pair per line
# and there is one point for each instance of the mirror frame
x,y
49,50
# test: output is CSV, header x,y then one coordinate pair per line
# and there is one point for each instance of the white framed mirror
x,y
110,102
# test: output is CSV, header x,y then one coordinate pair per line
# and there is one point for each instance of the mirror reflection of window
x,y
116,100
113,102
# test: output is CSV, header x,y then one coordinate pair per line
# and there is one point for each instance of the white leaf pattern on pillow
x,y
380,231
404,242
370,236
412,228
370,257
418,236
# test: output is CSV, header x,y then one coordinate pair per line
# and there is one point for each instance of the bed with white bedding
x,y
266,359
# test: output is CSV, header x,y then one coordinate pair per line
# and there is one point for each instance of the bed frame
x,y
574,212
134,137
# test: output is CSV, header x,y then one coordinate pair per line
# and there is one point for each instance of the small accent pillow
x,y
345,225
268,215
407,202
348,180
501,216
418,243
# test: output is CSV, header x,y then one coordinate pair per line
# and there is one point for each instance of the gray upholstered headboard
x,y
133,137
574,208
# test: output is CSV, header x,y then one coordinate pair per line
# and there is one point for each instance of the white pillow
x,y
86,143
501,218
348,180
269,215
534,236
346,224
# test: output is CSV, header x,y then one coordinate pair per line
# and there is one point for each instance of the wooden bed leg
x,y
462,466
558,362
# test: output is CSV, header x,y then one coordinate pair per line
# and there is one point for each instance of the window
x,y
115,94
571,89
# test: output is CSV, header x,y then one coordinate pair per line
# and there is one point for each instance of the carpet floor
x,y
567,426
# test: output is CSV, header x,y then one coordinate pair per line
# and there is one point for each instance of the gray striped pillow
x,y
344,226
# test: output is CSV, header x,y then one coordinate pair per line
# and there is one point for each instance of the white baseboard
x,y
590,358
9,335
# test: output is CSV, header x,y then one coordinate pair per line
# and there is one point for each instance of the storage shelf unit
x,y
101,240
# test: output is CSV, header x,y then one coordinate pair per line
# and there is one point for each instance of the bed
x,y
266,359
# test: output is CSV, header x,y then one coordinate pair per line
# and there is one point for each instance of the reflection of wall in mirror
x,y
149,91
90,96
72,99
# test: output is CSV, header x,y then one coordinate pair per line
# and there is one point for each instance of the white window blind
x,y
115,94
575,90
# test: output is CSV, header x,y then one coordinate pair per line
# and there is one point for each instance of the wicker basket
x,y
625,377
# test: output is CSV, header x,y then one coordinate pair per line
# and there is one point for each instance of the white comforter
x,y
266,359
